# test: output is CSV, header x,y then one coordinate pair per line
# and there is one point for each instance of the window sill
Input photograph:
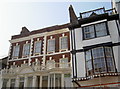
x,y
62,50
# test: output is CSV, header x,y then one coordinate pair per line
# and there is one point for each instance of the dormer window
x,y
37,47
16,51
26,50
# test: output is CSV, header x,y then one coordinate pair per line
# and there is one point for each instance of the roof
x,y
25,32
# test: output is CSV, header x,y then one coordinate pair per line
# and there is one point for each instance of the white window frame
x,y
23,55
48,52
36,53
60,45
14,52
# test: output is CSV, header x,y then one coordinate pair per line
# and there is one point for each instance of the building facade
x,y
40,58
95,43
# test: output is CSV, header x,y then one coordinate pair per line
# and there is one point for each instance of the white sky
x,y
35,15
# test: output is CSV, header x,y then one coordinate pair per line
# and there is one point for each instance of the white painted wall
x,y
113,31
81,65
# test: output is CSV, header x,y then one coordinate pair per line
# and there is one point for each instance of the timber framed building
x,y
95,37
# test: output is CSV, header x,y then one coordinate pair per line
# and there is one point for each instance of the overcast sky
x,y
36,15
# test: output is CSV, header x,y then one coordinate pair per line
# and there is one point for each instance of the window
x,y
16,51
30,80
4,85
44,81
64,63
51,45
12,86
63,43
96,30
26,50
37,47
50,64
21,83
99,60
89,62
89,32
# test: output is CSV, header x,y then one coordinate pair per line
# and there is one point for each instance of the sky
x,y
36,15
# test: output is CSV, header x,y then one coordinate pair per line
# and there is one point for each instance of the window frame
x,y
60,44
49,52
95,36
106,65
13,53
37,53
23,55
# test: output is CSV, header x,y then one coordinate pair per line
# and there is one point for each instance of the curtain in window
x,y
51,45
37,46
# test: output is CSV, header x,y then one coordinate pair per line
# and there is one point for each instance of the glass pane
x,y
26,50
64,43
101,29
51,80
45,81
57,80
88,55
30,79
37,48
50,64
98,59
51,45
63,63
16,51
89,32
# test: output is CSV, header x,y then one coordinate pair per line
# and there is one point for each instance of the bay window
x,y
94,31
99,60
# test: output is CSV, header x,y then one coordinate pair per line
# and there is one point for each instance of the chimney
x,y
73,17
